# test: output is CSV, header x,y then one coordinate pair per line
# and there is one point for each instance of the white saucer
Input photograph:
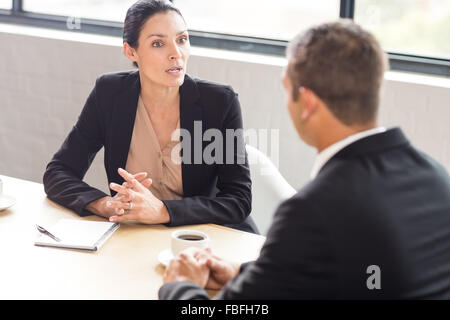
x,y
165,256
6,202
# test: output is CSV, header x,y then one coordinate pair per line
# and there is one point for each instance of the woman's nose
x,y
175,52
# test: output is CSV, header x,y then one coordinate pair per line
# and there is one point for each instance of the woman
x,y
133,115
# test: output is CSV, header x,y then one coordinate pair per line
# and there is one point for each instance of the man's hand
x,y
221,271
185,267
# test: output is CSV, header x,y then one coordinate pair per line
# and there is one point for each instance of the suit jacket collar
x,y
326,154
124,115
392,138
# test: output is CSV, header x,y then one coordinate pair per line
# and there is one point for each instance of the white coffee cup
x,y
183,239
1,188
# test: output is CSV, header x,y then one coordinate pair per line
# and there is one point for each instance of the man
x,y
374,222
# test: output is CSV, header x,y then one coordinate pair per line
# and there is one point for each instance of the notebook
x,y
78,234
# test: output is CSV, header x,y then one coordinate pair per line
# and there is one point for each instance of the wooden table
x,y
126,266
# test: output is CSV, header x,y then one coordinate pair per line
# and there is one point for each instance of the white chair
x,y
269,188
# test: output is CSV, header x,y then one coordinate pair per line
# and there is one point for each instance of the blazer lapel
x,y
124,115
190,111
123,118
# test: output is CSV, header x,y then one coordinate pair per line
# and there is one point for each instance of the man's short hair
x,y
343,65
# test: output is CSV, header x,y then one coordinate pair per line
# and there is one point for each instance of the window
x,y
414,32
239,17
261,18
415,27
5,4
108,10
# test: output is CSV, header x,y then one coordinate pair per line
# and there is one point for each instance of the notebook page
x,y
78,233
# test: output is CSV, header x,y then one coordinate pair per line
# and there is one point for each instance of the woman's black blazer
x,y
213,193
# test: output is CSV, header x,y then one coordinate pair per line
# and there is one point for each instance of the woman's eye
x,y
183,40
157,44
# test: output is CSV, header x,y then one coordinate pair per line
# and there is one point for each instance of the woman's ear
x,y
130,52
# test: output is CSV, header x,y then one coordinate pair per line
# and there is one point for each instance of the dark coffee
x,y
191,237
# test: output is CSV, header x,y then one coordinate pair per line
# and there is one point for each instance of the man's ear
x,y
129,52
309,102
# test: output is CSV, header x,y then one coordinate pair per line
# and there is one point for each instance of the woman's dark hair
x,y
137,16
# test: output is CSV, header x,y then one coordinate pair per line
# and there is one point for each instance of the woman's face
x,y
163,49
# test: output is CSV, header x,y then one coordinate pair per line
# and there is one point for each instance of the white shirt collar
x,y
327,153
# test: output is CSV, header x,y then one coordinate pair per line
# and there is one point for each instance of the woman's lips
x,y
175,71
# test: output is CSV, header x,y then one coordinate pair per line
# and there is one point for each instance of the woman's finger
x,y
137,186
118,188
128,177
126,198
119,212
118,197
118,205
123,197
147,183
127,193
125,217
140,176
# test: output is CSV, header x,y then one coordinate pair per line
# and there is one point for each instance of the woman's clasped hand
x,y
135,202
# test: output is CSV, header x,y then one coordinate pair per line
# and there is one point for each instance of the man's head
x,y
333,81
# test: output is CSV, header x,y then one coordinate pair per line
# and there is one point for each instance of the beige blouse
x,y
146,155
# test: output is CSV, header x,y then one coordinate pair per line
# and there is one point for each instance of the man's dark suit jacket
x,y
213,193
379,201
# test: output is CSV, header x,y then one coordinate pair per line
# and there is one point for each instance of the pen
x,y
46,232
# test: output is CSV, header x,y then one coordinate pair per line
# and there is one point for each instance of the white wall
x,y
46,76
